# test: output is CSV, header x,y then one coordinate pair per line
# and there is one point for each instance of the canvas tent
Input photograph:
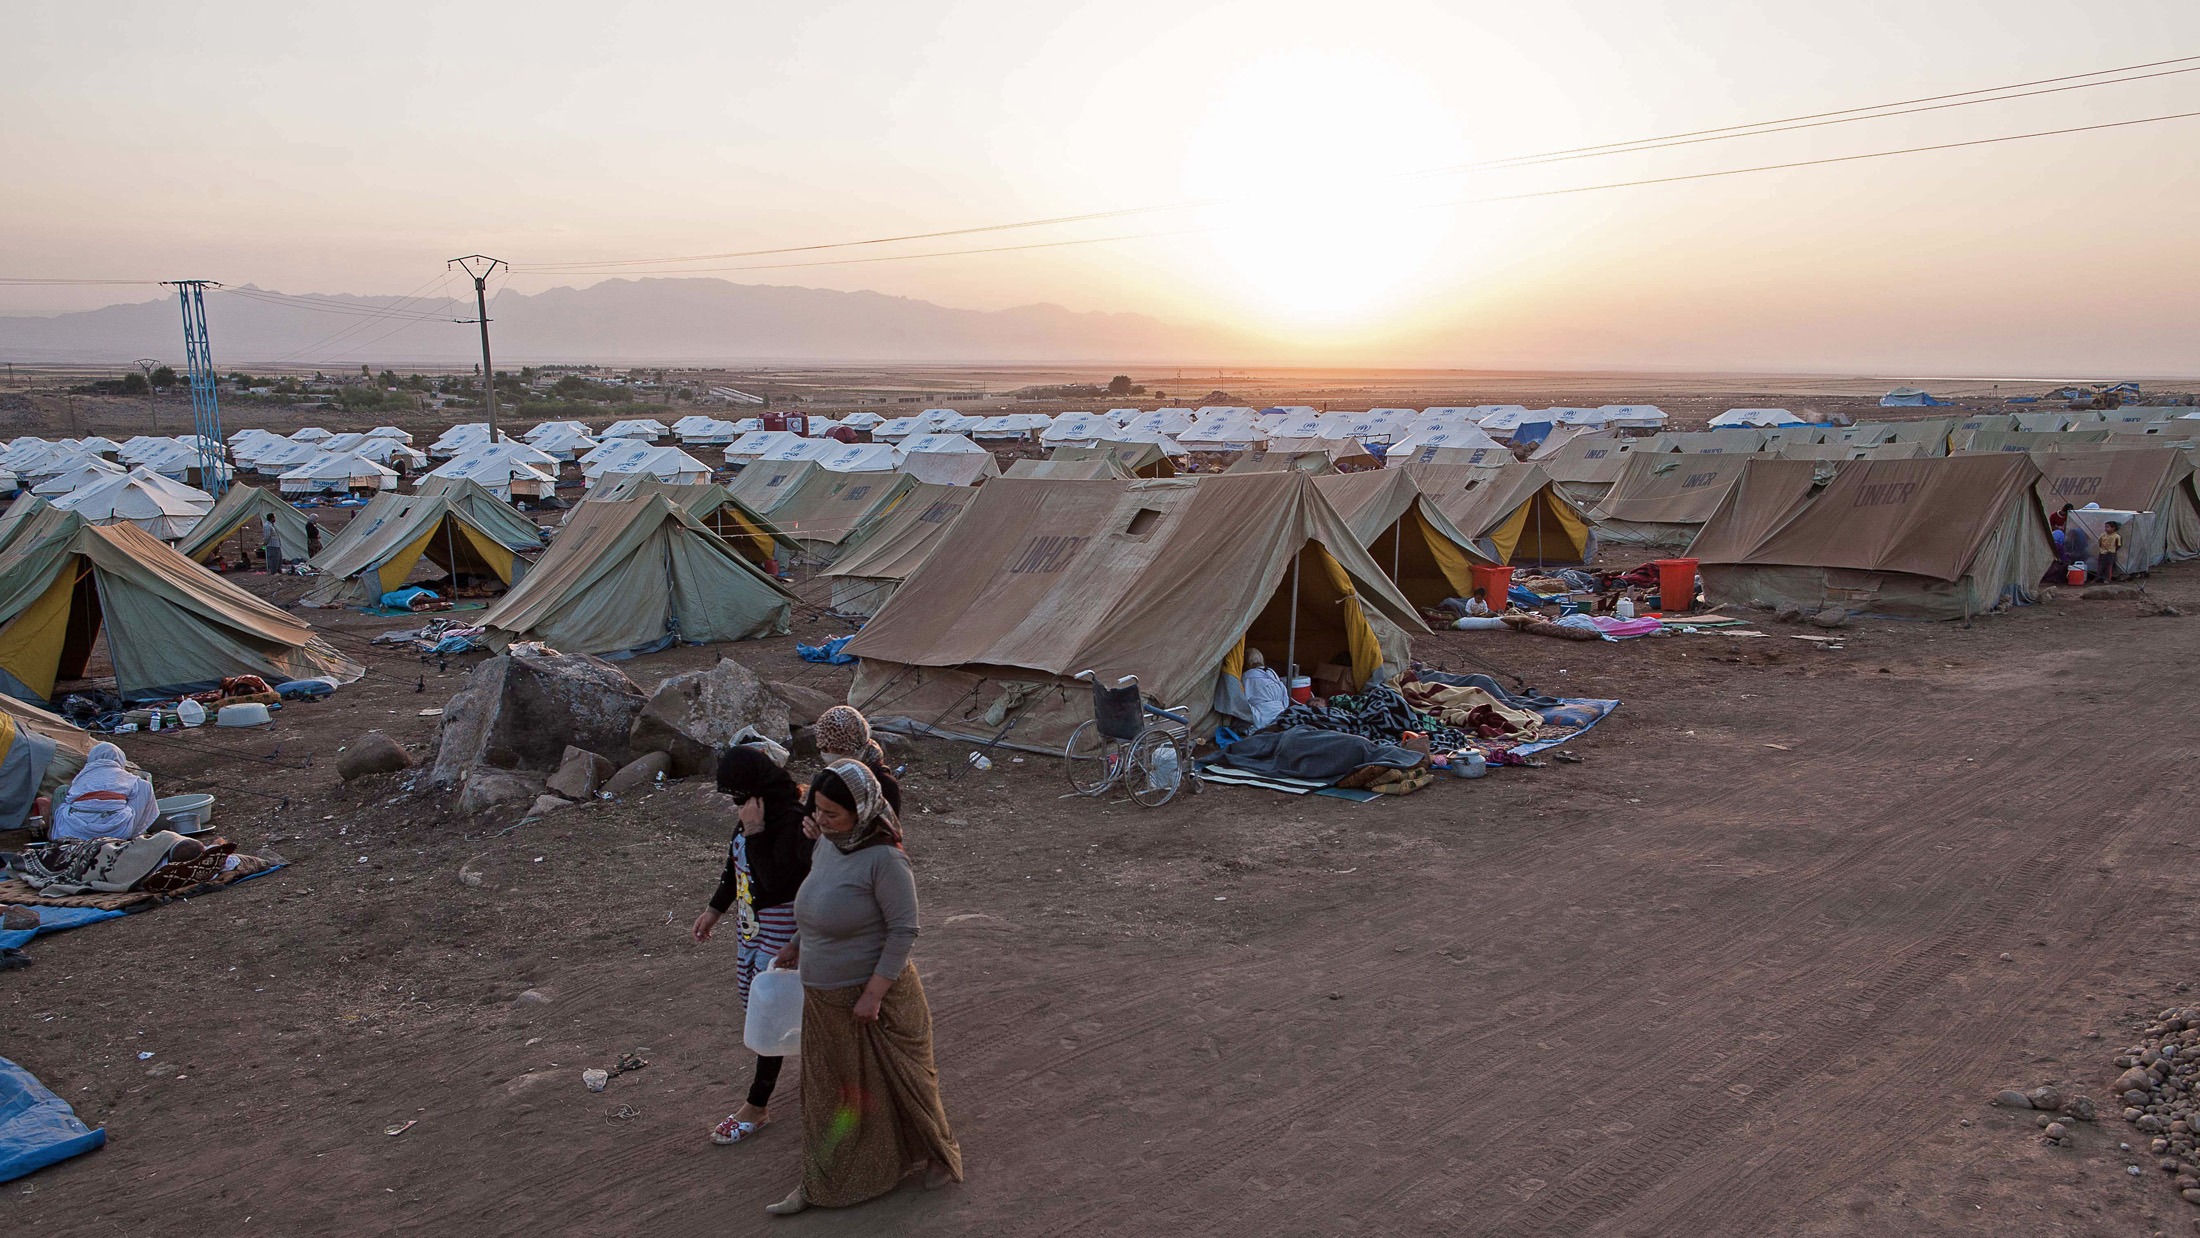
x,y
894,547
1517,515
383,545
1265,460
1710,442
1585,468
1661,500
2159,483
947,459
1170,580
1850,451
488,512
337,473
239,505
1100,468
638,574
166,509
1934,538
1909,397
825,509
171,626
1409,538
1147,460
710,504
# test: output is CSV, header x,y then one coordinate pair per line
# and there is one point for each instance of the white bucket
x,y
250,713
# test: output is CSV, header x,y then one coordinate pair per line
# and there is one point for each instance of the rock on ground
x,y
544,805
580,774
1830,617
522,713
639,775
694,715
803,704
371,753
488,790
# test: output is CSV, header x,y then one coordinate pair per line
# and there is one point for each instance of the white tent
x,y
1593,418
501,473
647,428
341,442
858,457
460,438
565,444
168,510
90,469
755,443
936,444
1011,425
1633,416
1294,425
1220,428
795,447
337,472
391,432
1503,424
96,445
389,451
667,464
861,421
1369,426
1161,421
1465,437
277,456
1070,428
311,435
896,427
1762,418
547,429
943,420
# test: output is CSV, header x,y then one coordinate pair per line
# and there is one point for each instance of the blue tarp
x,y
828,653
53,920
37,1128
401,599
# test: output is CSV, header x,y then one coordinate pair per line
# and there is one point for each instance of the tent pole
x,y
452,555
1291,642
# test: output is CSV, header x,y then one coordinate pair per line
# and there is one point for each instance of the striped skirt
x,y
775,928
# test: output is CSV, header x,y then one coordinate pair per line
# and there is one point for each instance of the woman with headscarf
x,y
843,733
765,864
104,800
871,1111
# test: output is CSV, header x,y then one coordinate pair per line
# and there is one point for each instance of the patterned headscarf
x,y
843,731
875,819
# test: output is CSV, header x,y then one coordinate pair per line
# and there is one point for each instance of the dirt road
x,y
1750,969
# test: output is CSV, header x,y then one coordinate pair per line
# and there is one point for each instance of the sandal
x,y
795,1202
733,1130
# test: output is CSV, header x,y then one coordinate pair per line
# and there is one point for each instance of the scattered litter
x,y
401,1127
146,1056
437,712
1222,898
1781,747
623,1113
595,1079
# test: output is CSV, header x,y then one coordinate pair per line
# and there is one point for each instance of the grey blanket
x,y
1313,754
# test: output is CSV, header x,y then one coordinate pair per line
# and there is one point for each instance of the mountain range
x,y
664,321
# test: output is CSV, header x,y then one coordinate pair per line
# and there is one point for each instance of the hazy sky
x,y
323,148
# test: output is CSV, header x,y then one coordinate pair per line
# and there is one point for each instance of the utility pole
x,y
206,409
481,266
152,406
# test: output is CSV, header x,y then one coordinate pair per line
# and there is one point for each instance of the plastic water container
x,y
250,713
2076,576
1302,689
1676,585
1495,583
1625,609
191,713
1166,772
774,1024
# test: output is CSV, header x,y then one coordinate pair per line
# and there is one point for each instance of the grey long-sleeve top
x,y
856,915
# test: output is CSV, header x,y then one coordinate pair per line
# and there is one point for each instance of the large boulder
x,y
804,704
579,774
696,714
523,713
372,753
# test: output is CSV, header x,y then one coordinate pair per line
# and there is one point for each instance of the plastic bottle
x,y
191,713
979,760
1626,607
1166,772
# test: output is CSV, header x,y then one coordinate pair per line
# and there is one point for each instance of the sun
x,y
1307,150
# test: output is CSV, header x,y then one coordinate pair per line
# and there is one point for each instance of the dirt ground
x,y
1755,966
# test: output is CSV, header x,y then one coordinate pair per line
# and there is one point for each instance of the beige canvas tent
x,y
635,575
1137,459
826,509
1767,493
1585,468
1740,441
393,537
873,566
2159,483
1405,533
1170,580
1935,538
1517,515
1101,468
1436,455
488,512
1853,451
1662,499
1975,442
39,754
238,507
950,468
712,505
1265,460
170,626
763,485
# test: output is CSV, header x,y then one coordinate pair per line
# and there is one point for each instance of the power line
x,y
1513,197
1878,111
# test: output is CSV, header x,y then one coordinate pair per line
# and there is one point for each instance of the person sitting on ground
x,y
871,1109
2108,547
765,864
104,800
1478,604
2061,519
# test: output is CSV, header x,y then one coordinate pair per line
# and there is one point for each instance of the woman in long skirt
x,y
871,1111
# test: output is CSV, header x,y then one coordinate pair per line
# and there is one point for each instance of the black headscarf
x,y
779,856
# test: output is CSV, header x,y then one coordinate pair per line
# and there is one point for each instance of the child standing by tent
x,y
2107,547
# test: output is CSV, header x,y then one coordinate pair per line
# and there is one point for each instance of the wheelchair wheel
x,y
1092,761
1159,767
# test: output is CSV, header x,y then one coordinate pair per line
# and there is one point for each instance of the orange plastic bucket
x,y
1494,582
1676,585
2076,575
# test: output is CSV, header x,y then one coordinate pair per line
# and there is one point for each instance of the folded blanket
x,y
1314,754
1379,713
1468,708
